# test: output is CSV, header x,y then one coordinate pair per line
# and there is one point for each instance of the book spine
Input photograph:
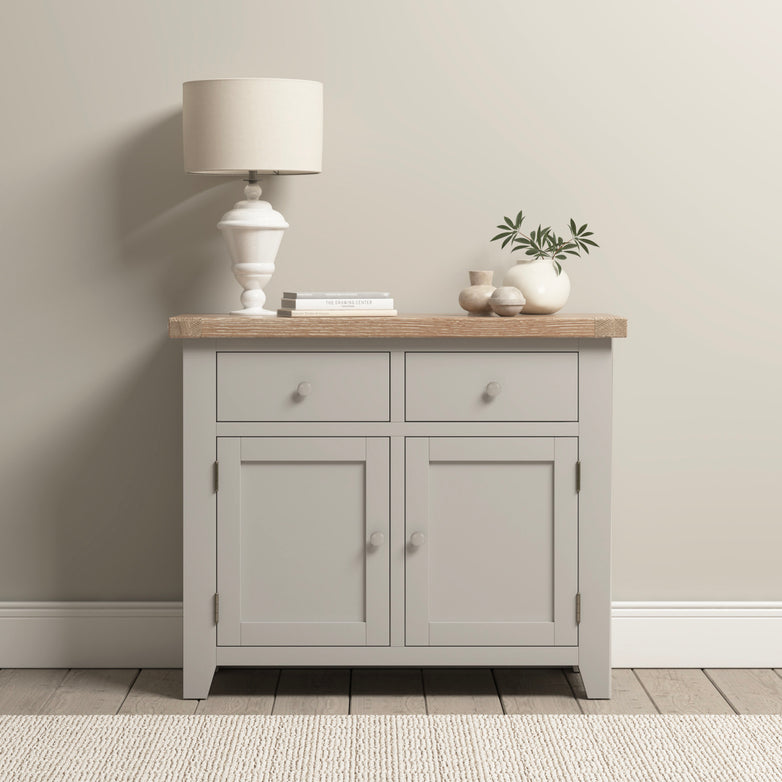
x,y
337,304
285,313
336,295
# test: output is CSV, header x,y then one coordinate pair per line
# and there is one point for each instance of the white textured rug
x,y
409,749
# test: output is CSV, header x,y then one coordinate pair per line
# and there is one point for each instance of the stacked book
x,y
363,304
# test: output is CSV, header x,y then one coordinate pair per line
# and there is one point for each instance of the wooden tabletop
x,y
398,326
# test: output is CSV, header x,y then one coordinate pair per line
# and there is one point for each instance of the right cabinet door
x,y
491,527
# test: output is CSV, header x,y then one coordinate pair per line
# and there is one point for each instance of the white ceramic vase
x,y
543,289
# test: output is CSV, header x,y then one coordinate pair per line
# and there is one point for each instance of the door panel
x,y
295,566
497,565
497,569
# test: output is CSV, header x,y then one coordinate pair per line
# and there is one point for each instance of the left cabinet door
x,y
302,541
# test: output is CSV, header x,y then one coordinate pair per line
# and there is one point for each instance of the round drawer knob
x,y
417,539
303,389
493,389
377,539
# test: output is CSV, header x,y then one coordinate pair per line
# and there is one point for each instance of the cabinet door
x,y
295,521
492,541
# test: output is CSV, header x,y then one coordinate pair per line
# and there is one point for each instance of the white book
x,y
337,304
283,313
336,295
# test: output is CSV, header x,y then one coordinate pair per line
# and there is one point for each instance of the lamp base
x,y
253,312
253,231
254,277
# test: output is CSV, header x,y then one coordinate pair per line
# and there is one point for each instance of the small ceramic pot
x,y
506,301
475,298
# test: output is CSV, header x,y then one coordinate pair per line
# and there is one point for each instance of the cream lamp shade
x,y
272,126
252,127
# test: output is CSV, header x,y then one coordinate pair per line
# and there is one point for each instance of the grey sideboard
x,y
413,490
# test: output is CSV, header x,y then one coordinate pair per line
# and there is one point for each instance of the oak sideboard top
x,y
398,326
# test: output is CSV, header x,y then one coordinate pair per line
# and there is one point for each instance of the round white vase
x,y
543,289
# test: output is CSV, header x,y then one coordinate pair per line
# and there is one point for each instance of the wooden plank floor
x,y
390,691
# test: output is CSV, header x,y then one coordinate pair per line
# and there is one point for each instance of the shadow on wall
x,y
95,511
117,499
115,493
167,241
167,219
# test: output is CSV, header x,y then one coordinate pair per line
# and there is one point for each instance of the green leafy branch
x,y
544,242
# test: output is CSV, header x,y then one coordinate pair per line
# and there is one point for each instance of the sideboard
x,y
412,490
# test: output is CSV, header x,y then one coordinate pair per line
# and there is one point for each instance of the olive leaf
x,y
544,242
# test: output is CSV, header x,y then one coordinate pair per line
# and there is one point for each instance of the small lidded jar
x,y
506,301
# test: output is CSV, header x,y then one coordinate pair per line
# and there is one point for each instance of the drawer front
x,y
491,386
302,386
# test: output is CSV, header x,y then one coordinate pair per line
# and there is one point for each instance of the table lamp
x,y
251,127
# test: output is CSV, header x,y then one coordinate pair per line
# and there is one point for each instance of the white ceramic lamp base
x,y
253,232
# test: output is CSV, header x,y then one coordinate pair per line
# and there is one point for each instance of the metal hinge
x,y
217,608
578,608
578,477
217,476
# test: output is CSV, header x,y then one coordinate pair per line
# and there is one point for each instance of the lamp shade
x,y
232,126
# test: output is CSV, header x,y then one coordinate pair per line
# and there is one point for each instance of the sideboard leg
x,y
594,517
199,507
596,678
196,680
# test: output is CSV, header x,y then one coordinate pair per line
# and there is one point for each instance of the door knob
x,y
303,389
492,389
417,539
377,539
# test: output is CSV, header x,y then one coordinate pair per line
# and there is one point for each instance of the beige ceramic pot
x,y
475,298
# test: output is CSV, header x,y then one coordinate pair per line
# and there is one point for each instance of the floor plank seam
x,y
132,685
645,689
572,691
497,688
573,678
423,690
276,688
720,691
50,698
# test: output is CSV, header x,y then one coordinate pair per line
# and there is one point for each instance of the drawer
x,y
491,386
302,386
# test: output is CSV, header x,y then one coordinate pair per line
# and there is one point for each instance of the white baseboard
x,y
149,635
696,635
91,635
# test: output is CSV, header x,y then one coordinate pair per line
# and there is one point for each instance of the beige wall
x,y
658,123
